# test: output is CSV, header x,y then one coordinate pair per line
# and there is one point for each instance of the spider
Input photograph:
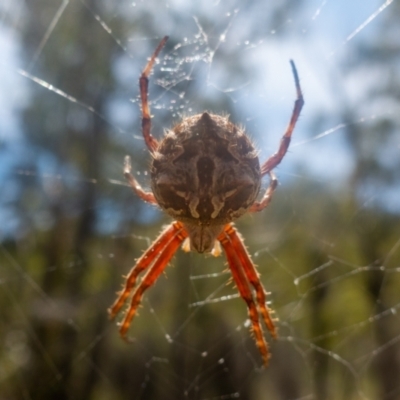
x,y
205,173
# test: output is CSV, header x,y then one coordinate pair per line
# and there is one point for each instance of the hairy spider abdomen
x,y
205,173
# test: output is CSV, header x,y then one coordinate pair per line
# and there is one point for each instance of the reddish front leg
x,y
239,275
252,275
151,276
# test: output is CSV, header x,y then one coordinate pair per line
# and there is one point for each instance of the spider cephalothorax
x,y
205,173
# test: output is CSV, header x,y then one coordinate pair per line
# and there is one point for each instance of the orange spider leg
x,y
276,158
244,290
266,199
176,238
151,142
160,244
135,185
252,275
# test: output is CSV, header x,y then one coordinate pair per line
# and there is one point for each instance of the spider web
x,y
327,248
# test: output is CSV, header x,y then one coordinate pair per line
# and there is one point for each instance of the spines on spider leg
x,y
152,274
259,338
253,277
147,258
242,284
256,329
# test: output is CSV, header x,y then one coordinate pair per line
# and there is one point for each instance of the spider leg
x,y
151,142
276,158
135,185
266,199
160,244
242,284
252,275
175,238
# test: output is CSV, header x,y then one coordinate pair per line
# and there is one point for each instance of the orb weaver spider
x,y
205,173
